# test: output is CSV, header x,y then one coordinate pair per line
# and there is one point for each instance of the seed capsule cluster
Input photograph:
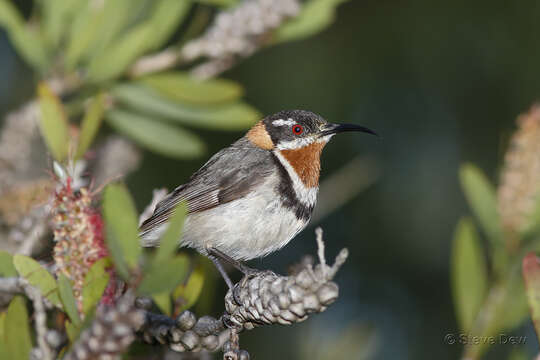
x,y
268,298
519,189
110,334
261,298
186,332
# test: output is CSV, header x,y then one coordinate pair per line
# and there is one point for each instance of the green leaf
x,y
532,222
72,331
66,295
6,265
95,283
163,301
180,86
84,29
469,274
18,339
531,275
481,197
316,15
189,292
171,239
166,17
27,42
3,346
155,135
57,14
37,276
122,229
114,21
165,276
515,305
53,123
233,116
120,54
90,124
222,3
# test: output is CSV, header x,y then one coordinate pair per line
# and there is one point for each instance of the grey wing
x,y
230,174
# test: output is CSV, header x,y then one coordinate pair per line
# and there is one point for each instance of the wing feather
x,y
224,178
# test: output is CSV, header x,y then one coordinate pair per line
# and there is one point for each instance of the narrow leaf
x,y
171,239
53,123
6,265
316,15
182,87
232,116
95,283
155,135
3,347
70,304
120,54
163,301
84,30
72,331
57,15
481,197
27,42
469,274
18,339
116,18
531,274
166,17
121,222
38,276
165,277
187,294
90,124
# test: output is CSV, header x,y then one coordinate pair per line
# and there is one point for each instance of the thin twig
x,y
40,320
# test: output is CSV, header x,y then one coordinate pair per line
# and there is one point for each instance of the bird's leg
x,y
227,279
246,270
222,271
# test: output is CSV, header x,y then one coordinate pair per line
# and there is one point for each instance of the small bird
x,y
251,198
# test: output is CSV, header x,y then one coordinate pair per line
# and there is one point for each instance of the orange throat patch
x,y
259,136
306,162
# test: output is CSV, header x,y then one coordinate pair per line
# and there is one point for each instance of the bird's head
x,y
297,137
296,129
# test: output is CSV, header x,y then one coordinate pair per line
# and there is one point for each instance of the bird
x,y
252,198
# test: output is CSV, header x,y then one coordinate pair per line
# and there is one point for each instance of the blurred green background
x,y
442,82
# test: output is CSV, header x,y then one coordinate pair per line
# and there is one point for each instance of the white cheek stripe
x,y
307,196
281,122
295,144
301,142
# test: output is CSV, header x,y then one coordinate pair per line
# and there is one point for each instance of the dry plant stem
x,y
163,60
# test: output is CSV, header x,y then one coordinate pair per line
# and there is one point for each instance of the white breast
x,y
247,228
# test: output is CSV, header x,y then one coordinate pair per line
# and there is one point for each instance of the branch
x,y
15,285
265,298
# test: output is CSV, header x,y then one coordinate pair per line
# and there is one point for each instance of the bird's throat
x,y
306,162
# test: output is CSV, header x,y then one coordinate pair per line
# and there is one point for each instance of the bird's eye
x,y
297,129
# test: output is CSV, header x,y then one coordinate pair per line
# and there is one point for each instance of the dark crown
x,y
279,125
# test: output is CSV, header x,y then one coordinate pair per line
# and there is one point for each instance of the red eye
x,y
297,129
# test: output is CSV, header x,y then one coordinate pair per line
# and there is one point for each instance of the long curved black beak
x,y
337,128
